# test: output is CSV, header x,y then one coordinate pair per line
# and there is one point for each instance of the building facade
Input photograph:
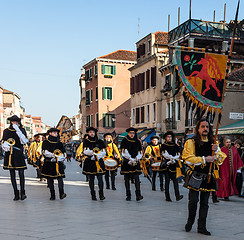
x,y
107,86
1,113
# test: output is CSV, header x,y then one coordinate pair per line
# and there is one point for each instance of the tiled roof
x,y
237,75
161,37
7,91
121,55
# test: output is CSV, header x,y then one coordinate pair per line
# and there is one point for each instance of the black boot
x,y
202,227
93,196
153,187
138,195
188,226
128,195
52,195
101,195
215,199
62,195
167,197
107,186
22,195
113,187
179,197
16,195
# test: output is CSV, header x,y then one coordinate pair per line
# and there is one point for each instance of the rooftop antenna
x,y
168,22
178,16
214,16
138,27
222,3
190,10
224,12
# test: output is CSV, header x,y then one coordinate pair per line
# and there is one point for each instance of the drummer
x,y
112,152
155,156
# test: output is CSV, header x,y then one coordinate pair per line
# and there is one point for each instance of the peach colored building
x,y
38,125
1,113
108,91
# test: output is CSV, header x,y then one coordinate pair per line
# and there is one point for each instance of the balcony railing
x,y
206,29
170,124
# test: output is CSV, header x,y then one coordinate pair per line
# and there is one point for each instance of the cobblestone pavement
x,y
77,217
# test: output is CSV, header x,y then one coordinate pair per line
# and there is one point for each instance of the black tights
x,y
100,182
50,182
21,178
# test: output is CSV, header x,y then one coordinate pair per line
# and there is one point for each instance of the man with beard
x,y
228,171
200,177
94,151
154,152
14,139
171,155
53,167
113,153
131,152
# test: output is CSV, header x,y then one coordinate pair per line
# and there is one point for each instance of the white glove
x,y
101,154
48,154
167,155
170,162
239,170
6,146
176,157
126,154
53,160
22,137
93,158
139,155
88,152
61,158
132,161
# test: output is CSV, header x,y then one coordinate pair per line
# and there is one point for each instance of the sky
x,y
45,43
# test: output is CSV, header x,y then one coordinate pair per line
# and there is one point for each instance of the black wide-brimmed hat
x,y
107,134
168,133
91,129
131,129
155,136
53,130
38,134
14,118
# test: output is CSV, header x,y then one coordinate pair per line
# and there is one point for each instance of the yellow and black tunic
x,y
93,167
14,159
112,151
34,153
172,149
52,169
134,147
155,152
194,156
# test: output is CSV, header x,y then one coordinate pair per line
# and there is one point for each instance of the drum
x,y
110,164
155,166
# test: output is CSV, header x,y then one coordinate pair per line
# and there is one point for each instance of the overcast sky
x,y
44,43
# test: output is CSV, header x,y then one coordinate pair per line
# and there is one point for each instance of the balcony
x,y
170,124
200,29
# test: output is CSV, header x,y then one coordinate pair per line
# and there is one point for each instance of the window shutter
x,y
91,95
113,122
114,70
103,69
110,94
96,93
104,120
104,93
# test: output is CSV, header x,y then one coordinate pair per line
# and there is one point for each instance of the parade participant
x,y
35,154
153,152
131,152
197,154
14,139
112,152
228,171
94,151
53,167
171,155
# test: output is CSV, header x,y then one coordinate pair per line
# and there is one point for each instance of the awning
x,y
121,136
234,128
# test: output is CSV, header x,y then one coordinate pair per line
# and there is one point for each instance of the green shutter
x,y
114,70
103,69
104,120
113,122
110,93
104,93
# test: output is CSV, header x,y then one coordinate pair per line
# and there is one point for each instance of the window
x,y
132,90
141,50
168,110
142,114
178,110
137,115
28,129
91,72
148,113
107,93
88,74
37,126
97,120
133,116
91,95
171,109
149,46
95,70
108,69
88,97
148,79
168,81
88,120
153,76
142,81
91,121
96,93
108,120
154,112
